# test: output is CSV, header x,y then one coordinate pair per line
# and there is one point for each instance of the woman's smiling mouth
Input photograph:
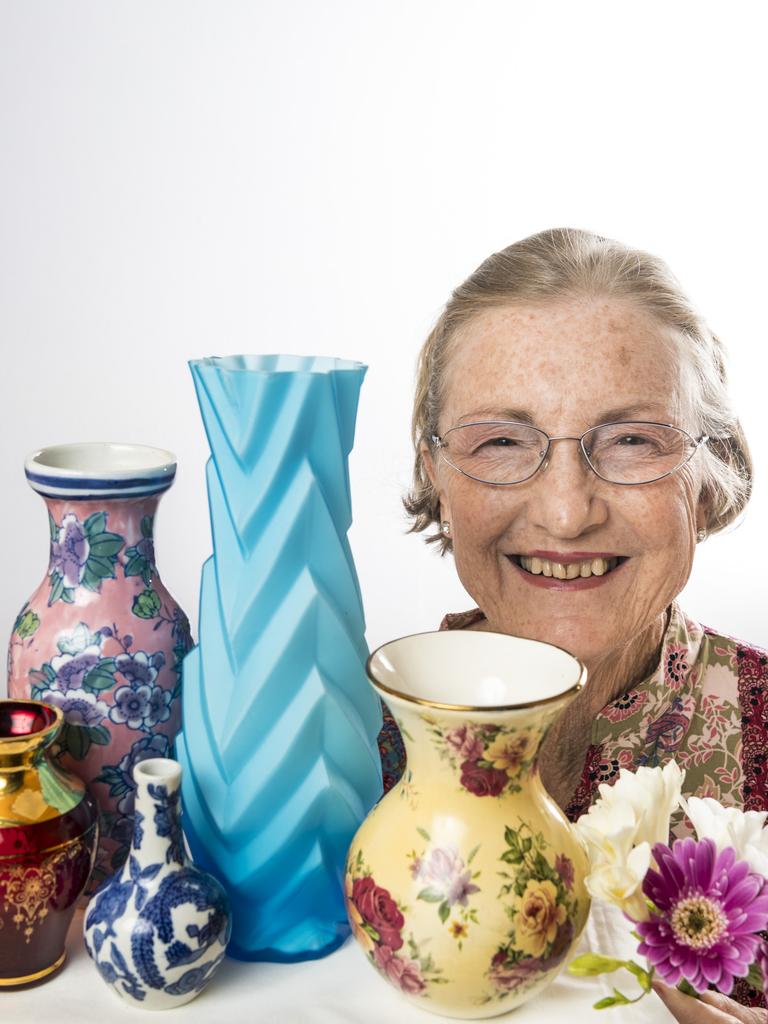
x,y
576,570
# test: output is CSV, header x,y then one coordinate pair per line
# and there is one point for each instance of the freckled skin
x,y
566,363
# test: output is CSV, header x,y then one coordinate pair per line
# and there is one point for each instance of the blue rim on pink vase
x,y
95,469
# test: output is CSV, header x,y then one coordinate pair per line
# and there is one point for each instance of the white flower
x,y
621,828
622,883
650,794
728,826
617,863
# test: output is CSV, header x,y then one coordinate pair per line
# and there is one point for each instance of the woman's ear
x,y
429,466
703,511
431,471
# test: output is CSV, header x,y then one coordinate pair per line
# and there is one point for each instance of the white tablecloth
x,y
340,988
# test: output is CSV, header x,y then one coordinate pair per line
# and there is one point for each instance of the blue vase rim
x,y
94,469
277,363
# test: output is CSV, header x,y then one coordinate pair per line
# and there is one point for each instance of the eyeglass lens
x,y
626,452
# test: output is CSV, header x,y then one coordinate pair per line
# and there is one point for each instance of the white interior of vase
x,y
101,459
279,363
158,769
474,669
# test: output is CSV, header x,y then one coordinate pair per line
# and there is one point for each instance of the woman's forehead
x,y
609,357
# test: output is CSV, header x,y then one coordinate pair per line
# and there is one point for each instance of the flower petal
x,y
743,893
711,969
703,862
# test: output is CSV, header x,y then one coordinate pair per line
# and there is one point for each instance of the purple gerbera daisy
x,y
710,907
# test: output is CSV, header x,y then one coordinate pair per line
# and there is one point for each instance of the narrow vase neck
x,y
487,753
90,539
157,834
24,753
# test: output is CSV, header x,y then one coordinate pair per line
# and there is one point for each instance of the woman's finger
x,y
743,1014
713,1008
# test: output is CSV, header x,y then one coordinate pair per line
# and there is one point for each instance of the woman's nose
x,y
564,499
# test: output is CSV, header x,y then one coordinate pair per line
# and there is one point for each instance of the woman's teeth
x,y
568,570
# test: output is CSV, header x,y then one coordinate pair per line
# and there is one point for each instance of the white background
x,y
180,179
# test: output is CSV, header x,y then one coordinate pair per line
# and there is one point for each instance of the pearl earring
x,y
701,535
445,526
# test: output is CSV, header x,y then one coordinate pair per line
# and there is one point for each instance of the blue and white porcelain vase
x,y
158,930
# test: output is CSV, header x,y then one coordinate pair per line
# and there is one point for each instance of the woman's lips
x,y
579,583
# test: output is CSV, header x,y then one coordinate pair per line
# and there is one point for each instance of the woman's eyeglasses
x,y
626,452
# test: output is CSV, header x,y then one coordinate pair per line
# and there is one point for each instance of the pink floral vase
x,y
101,638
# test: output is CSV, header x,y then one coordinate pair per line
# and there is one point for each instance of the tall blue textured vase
x,y
279,727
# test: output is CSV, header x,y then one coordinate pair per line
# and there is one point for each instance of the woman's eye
x,y
498,442
493,442
632,439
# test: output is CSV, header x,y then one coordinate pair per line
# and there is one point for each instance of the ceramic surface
x,y
158,931
48,834
101,638
465,885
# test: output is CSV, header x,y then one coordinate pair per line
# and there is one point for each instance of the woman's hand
x,y
712,1008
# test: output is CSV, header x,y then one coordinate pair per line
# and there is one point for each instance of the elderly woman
x,y
574,443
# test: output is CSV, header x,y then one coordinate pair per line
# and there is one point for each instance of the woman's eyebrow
x,y
518,415
626,412
623,412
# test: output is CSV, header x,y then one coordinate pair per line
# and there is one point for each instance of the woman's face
x,y
568,366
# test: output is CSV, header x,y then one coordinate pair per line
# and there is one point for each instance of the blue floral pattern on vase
x,y
159,929
140,557
82,555
101,637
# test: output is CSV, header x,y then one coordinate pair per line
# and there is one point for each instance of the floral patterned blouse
x,y
706,705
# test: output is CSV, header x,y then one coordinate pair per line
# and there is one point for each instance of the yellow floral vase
x,y
465,884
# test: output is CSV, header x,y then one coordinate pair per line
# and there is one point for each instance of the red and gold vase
x,y
48,837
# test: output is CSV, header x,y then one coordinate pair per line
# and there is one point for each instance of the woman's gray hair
x,y
565,262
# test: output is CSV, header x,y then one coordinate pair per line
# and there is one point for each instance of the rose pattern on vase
x,y
378,923
101,638
465,885
489,758
48,836
158,931
538,895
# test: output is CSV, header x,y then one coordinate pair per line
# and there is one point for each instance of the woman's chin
x,y
584,640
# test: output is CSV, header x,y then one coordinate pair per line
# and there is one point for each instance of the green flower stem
x,y
687,989
589,965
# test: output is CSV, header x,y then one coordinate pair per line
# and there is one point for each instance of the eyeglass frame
x,y
439,444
